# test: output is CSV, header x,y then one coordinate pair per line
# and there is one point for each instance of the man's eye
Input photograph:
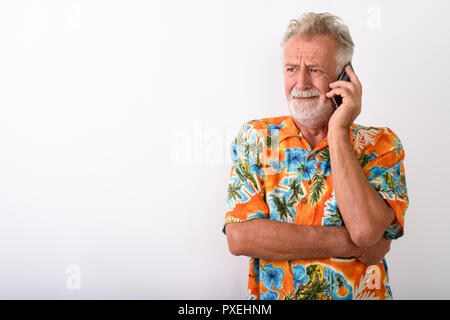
x,y
290,69
315,70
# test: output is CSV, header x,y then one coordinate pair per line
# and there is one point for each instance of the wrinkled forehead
x,y
320,50
306,55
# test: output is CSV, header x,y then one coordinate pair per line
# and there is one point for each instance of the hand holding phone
x,y
337,99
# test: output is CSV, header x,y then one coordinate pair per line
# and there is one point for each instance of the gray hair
x,y
323,23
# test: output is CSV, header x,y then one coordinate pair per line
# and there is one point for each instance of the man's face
x,y
309,67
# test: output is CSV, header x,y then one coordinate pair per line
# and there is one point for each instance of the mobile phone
x,y
337,99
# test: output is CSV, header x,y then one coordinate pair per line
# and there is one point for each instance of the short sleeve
x,y
245,199
385,171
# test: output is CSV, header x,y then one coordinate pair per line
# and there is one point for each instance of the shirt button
x,y
303,200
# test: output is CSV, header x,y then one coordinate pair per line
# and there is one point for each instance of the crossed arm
x,y
281,241
275,240
366,215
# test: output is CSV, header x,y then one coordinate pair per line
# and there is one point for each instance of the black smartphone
x,y
337,99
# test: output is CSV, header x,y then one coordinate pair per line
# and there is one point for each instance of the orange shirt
x,y
276,175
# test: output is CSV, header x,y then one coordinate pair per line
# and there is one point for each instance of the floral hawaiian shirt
x,y
276,175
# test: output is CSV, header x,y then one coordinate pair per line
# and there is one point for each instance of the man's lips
x,y
305,98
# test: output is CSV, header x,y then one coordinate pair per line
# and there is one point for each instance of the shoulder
x,y
262,127
268,123
369,139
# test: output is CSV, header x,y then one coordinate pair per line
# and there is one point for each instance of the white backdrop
x,y
115,124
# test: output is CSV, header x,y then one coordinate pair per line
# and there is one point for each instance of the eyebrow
x,y
310,65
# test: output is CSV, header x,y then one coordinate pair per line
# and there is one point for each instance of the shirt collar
x,y
290,130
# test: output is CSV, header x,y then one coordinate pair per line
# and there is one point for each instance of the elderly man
x,y
314,199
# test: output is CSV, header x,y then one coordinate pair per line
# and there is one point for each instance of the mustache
x,y
305,93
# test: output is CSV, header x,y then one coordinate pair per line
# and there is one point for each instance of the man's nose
x,y
303,80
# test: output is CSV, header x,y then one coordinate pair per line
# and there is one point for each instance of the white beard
x,y
312,113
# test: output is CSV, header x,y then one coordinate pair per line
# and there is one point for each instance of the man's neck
x,y
313,135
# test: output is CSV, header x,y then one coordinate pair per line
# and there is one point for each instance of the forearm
x,y
274,240
365,213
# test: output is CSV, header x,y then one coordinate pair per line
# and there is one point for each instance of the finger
x,y
352,75
343,92
342,84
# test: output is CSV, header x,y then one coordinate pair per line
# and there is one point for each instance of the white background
x,y
115,124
